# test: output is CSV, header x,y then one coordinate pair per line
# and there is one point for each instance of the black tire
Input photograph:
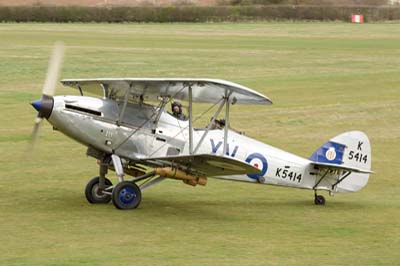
x,y
126,196
261,180
319,200
92,193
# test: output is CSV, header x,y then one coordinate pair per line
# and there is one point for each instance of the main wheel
x,y
93,193
126,195
319,200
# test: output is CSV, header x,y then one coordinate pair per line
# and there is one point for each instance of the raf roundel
x,y
330,154
259,161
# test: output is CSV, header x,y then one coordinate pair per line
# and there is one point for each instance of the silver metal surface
x,y
119,170
151,183
204,90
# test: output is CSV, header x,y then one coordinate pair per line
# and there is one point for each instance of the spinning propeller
x,y
44,106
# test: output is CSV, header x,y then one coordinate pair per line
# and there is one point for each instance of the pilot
x,y
176,108
218,124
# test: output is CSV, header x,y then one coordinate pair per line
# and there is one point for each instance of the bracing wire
x,y
182,129
145,122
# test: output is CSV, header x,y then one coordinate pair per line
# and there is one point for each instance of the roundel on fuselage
x,y
259,161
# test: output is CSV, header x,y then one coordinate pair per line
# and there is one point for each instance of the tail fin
x,y
350,151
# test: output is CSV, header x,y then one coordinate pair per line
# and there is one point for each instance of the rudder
x,y
351,149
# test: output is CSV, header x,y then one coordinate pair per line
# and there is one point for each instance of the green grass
x,y
324,78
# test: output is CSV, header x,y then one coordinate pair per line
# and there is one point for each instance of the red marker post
x,y
357,18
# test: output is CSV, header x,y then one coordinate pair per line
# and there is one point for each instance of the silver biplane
x,y
132,137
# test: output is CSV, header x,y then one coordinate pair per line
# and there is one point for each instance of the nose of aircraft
x,y
44,106
37,104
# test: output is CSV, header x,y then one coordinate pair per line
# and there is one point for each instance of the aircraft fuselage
x,y
97,123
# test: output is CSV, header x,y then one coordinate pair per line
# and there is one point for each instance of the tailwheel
x,y
319,200
93,193
126,195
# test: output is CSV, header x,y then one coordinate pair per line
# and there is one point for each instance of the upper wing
x,y
204,90
205,164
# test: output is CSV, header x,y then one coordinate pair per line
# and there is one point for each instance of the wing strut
x,y
186,127
341,179
319,181
221,105
80,90
121,114
225,101
226,129
340,176
190,121
105,90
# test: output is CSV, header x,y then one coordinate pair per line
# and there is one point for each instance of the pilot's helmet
x,y
176,103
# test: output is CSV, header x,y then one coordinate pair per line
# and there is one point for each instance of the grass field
x,y
324,78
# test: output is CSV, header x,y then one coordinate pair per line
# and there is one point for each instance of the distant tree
x,y
307,2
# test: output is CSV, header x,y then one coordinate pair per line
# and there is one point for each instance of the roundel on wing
x,y
259,161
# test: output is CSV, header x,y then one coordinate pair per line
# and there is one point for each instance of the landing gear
x,y
319,199
126,195
94,194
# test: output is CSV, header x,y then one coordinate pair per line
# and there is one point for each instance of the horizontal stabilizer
x,y
205,164
341,167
